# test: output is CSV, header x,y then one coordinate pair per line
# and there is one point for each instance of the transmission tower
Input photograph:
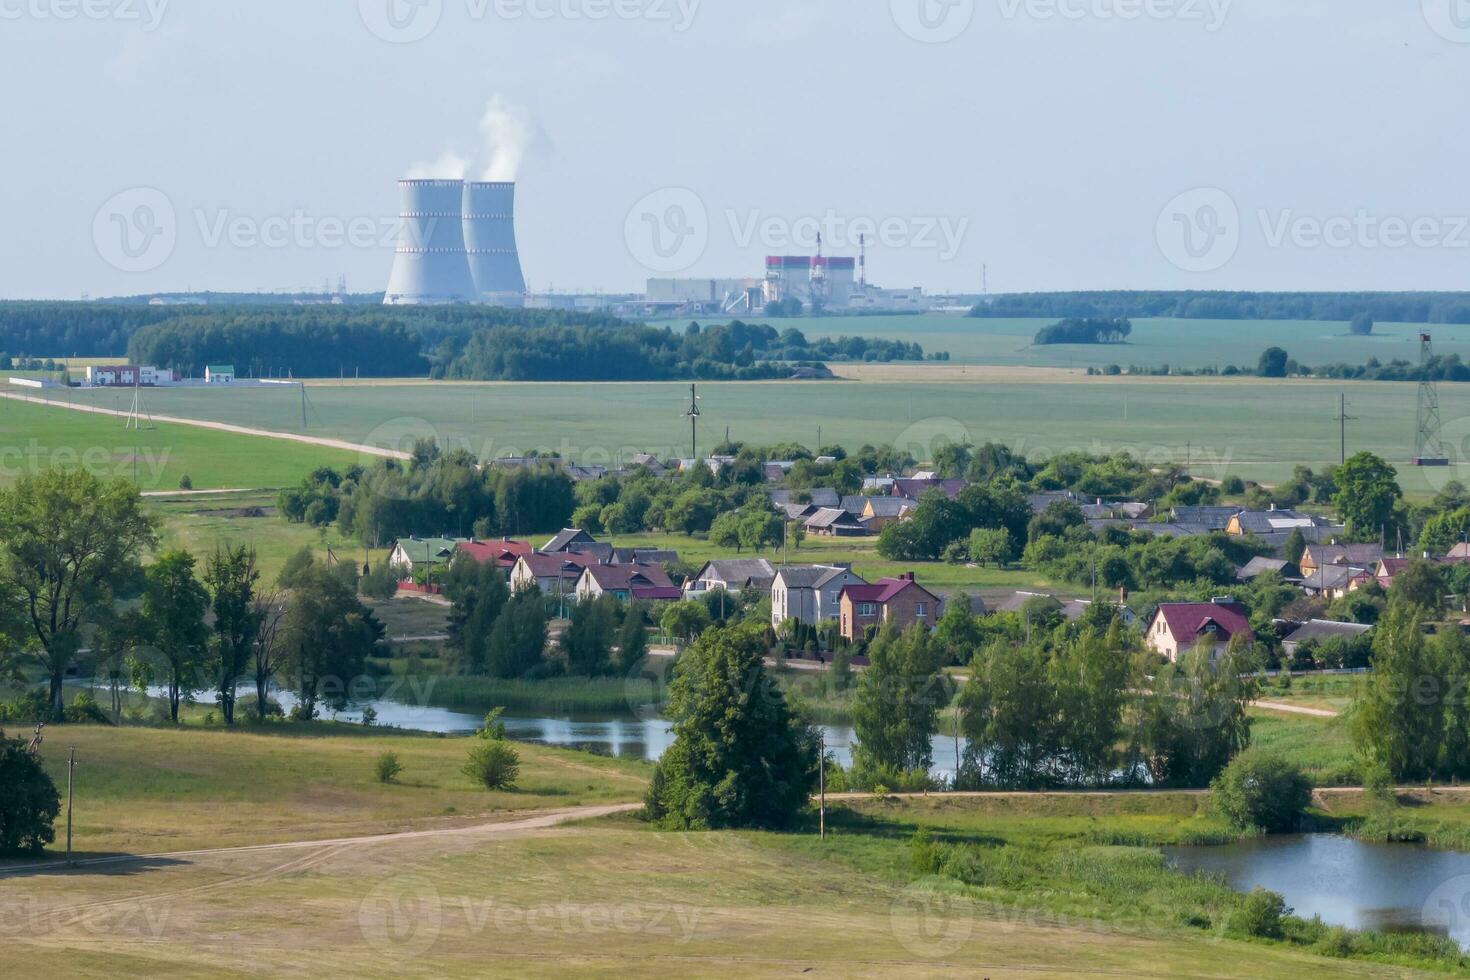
x,y
1428,450
136,415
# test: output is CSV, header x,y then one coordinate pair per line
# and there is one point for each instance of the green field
x,y
34,438
1256,429
1180,343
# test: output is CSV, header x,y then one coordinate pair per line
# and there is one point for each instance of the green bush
x,y
379,582
493,764
1263,790
29,802
84,710
388,767
1258,915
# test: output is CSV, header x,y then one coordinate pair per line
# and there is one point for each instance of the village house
x,y
1177,627
504,552
568,539
915,489
1208,518
417,559
901,602
1359,555
1318,630
815,497
1275,527
834,522
809,594
879,512
1333,581
554,575
630,583
732,575
1260,565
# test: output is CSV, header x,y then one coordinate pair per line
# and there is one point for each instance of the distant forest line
x,y
461,342
1383,307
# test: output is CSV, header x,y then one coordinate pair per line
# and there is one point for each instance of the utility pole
x,y
71,766
1343,418
693,416
822,778
303,405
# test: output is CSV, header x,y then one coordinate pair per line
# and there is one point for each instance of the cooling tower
x,y
490,239
430,265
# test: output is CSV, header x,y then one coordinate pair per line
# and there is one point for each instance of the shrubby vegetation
x,y
29,802
1382,307
1085,331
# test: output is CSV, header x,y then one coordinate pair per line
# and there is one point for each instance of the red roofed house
x,y
900,601
504,552
630,582
1179,626
552,574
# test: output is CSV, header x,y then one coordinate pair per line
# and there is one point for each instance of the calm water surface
x,y
1352,883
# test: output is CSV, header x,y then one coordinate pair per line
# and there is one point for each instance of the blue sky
x,y
1063,143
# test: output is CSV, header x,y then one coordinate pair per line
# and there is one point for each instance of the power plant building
x,y
456,244
822,280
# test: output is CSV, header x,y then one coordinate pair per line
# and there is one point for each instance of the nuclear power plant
x,y
456,244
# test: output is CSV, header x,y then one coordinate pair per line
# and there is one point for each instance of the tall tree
x,y
174,604
67,541
740,758
329,634
1367,489
268,652
231,576
588,638
1397,719
517,642
896,709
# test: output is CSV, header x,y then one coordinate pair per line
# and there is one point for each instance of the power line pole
x,y
693,416
1343,418
71,766
822,777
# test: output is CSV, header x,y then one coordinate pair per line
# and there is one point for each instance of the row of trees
x,y
1219,305
1085,331
620,352
71,551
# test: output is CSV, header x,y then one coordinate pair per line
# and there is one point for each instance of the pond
x,y
628,736
1347,882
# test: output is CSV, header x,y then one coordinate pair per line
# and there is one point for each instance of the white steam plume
x,y
449,166
509,133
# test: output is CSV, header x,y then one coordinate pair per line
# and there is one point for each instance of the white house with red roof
x,y
504,552
1177,627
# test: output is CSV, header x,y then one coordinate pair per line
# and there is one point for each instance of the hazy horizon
x,y
164,146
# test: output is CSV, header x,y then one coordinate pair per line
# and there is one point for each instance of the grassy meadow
x,y
149,790
1248,427
1155,341
34,438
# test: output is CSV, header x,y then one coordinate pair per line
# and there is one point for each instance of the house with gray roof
x,y
565,539
730,574
834,522
809,594
1318,630
1260,565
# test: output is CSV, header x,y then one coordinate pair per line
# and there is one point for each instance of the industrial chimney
x,y
490,239
430,266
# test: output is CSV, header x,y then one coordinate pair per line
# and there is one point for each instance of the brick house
x,y
644,583
901,602
1177,627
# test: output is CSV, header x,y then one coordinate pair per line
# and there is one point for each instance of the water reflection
x,y
1347,882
